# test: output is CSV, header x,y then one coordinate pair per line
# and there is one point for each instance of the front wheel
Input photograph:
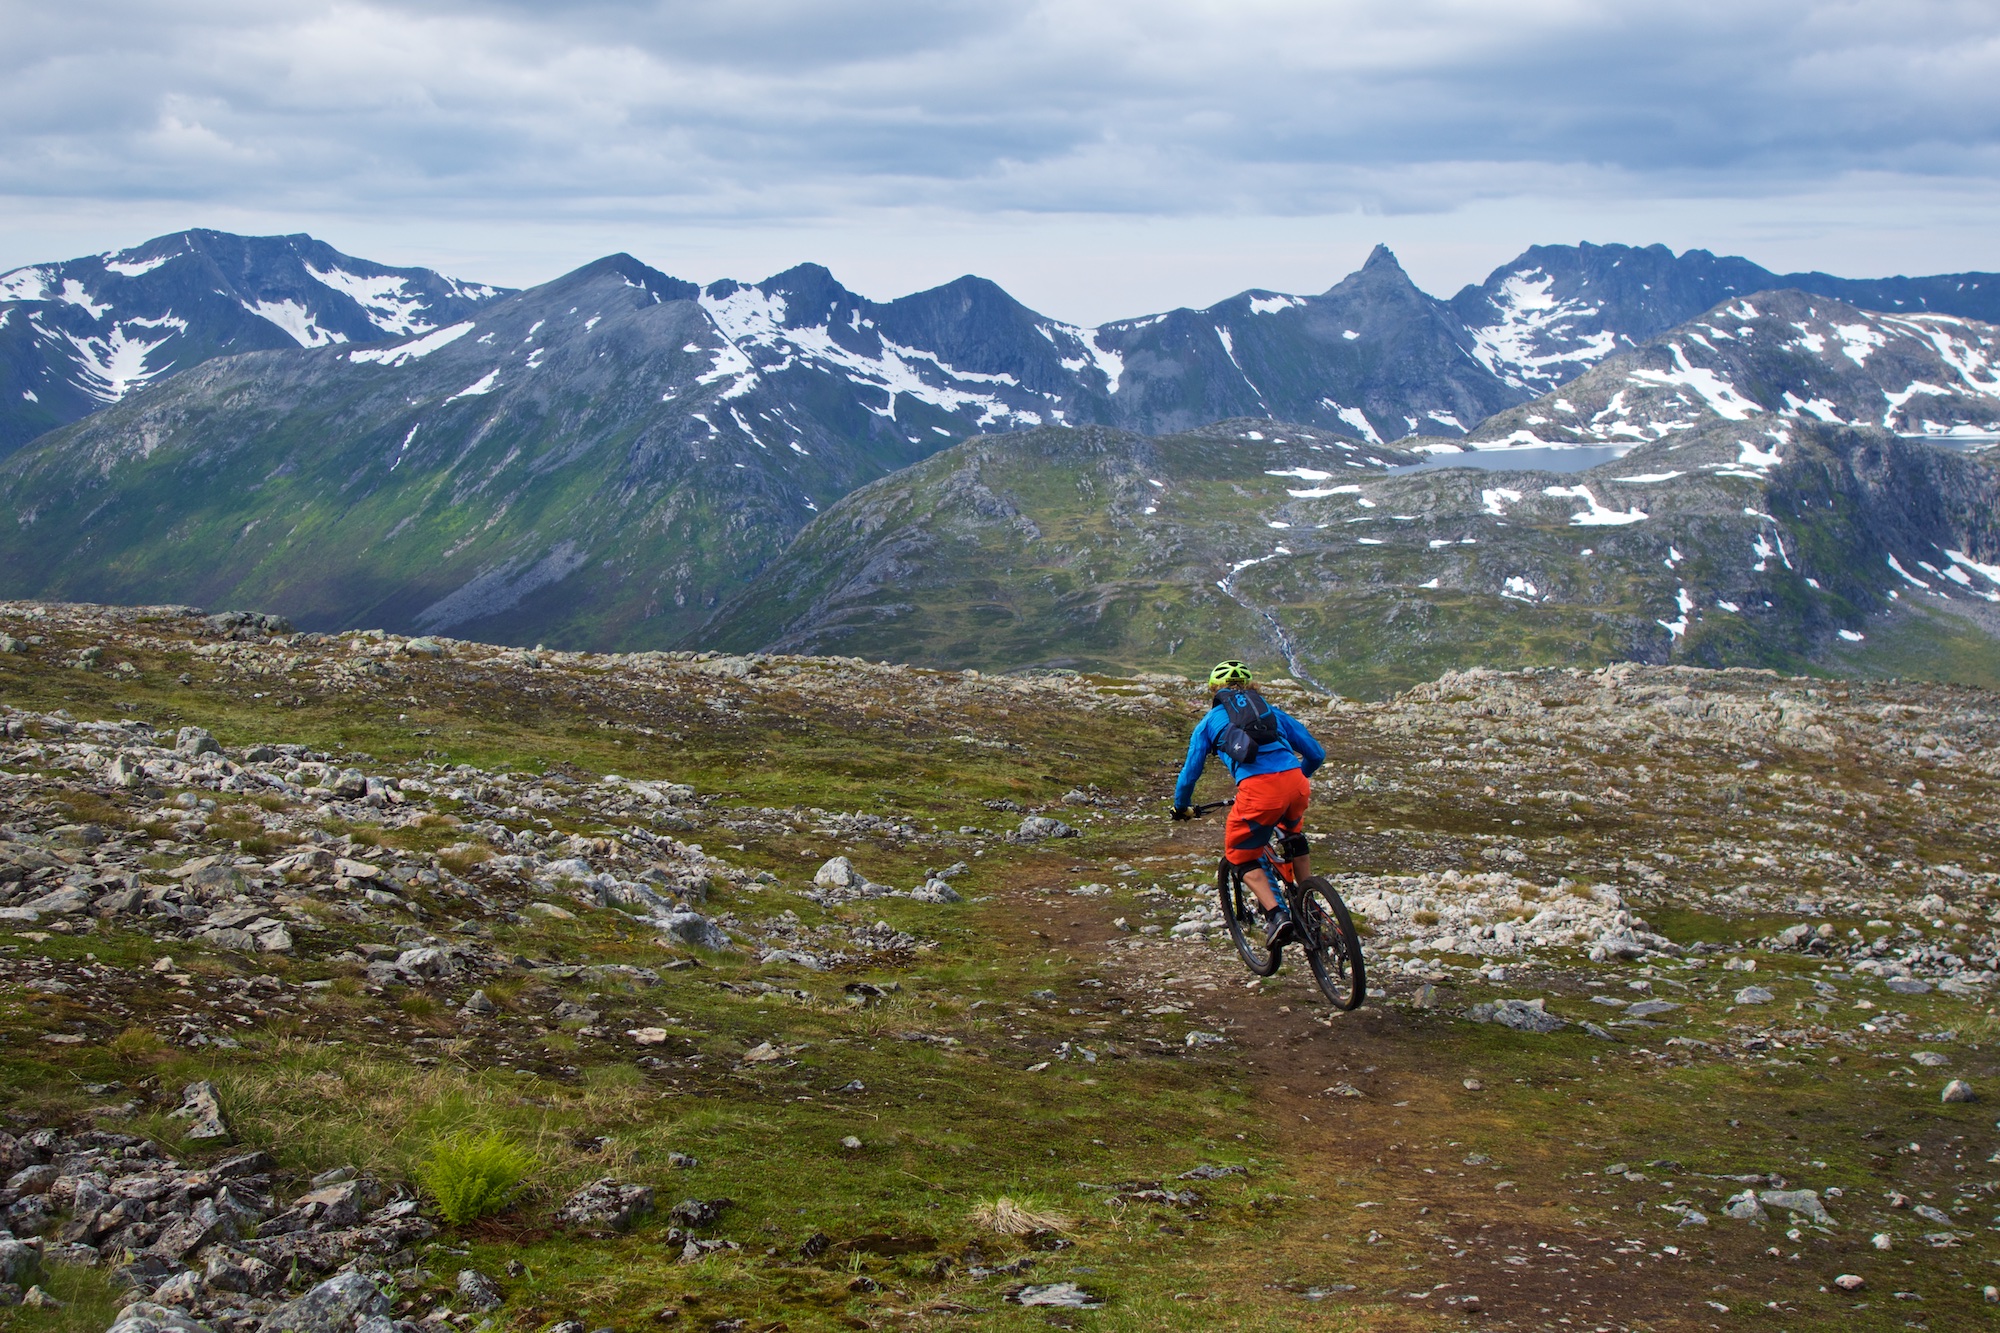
x,y
1332,948
1245,921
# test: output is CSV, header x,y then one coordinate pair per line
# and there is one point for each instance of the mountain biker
x,y
1272,790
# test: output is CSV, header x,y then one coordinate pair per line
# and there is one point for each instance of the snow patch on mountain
x,y
137,268
296,320
73,293
114,365
753,321
483,385
1534,344
1720,395
402,353
384,298
1598,515
24,284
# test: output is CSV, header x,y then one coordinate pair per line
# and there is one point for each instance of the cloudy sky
x,y
1099,158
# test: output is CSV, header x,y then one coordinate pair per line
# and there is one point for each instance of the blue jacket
x,y
1304,752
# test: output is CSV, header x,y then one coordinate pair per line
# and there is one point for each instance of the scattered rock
x,y
17,1260
147,1317
1521,1015
1754,995
606,1205
1958,1090
334,1306
1060,1295
692,928
1744,1207
1805,1203
698,1212
201,1104
479,1291
1849,1282
1038,828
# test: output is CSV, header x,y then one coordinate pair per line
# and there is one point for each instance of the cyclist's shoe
x,y
1279,930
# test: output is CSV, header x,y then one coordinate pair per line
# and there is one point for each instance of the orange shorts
x,y
1267,804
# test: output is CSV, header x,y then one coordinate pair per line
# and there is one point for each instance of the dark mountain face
x,y
1372,357
81,334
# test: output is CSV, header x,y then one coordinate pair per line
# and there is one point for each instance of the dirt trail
x,y
1465,1243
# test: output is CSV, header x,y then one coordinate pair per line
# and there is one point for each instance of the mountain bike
x,y
1325,931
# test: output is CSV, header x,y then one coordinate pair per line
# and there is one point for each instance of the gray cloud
x,y
791,113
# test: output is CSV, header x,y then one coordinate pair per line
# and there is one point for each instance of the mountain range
x,y
81,334
608,459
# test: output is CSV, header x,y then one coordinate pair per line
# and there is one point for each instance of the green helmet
x,y
1231,672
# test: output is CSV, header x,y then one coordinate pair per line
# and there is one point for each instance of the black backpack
x,y
1252,724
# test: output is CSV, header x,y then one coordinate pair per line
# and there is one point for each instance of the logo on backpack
x,y
1252,725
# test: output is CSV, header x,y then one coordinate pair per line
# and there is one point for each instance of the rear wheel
x,y
1332,948
1245,921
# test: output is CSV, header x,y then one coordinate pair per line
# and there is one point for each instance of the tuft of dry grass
x,y
1011,1217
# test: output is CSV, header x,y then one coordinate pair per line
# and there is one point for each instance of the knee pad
x,y
1294,845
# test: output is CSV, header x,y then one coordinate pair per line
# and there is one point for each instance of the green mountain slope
x,y
573,465
1101,548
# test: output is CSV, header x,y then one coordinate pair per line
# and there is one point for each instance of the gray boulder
x,y
427,964
1520,1015
201,1104
936,891
1803,1202
694,929
332,1307
606,1205
147,1317
17,1260
1038,828
62,902
479,1291
1958,1090
193,741
1744,1207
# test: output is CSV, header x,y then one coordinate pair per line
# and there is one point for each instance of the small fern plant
x,y
471,1176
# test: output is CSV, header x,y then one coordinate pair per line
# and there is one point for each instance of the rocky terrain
x,y
1680,1008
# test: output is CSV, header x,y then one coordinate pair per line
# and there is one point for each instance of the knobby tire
x,y
1245,922
1332,948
